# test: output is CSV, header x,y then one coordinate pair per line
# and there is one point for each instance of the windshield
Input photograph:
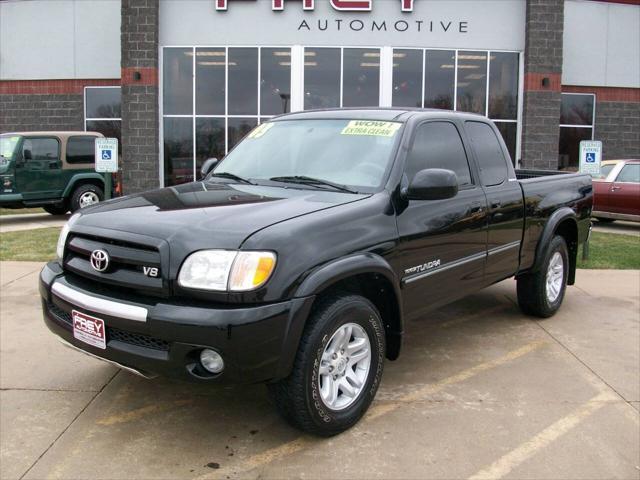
x,y
353,153
8,145
605,170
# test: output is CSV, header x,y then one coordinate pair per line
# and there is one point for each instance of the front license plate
x,y
89,329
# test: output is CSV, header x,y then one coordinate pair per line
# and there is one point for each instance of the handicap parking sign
x,y
106,154
590,157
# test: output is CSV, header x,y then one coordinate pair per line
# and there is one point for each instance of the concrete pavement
x,y
480,391
30,221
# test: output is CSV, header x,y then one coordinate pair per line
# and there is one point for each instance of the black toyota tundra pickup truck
x,y
299,258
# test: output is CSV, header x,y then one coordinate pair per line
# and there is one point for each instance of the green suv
x,y
52,170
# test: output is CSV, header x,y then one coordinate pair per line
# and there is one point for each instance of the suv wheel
x,y
541,293
56,209
86,195
337,369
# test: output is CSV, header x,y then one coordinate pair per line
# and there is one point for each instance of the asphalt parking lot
x,y
480,391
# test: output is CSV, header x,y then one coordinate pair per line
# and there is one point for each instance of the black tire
x,y
532,287
298,398
82,190
56,209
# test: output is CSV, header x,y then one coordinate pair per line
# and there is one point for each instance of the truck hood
x,y
208,214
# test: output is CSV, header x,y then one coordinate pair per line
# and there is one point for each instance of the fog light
x,y
211,360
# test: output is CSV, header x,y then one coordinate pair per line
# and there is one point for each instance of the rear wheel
x,y
85,196
337,369
541,293
56,209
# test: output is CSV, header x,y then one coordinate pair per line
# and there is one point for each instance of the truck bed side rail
x,y
524,174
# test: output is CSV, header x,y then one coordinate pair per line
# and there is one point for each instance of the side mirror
x,y
26,155
433,184
207,166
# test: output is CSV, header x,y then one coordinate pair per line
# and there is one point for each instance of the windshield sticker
x,y
260,130
371,128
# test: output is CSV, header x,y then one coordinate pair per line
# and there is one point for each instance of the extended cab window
x,y
81,149
629,173
34,149
491,160
438,145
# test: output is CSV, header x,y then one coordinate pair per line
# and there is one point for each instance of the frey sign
x,y
340,5
590,157
106,155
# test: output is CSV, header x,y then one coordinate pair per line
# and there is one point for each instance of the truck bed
x,y
545,192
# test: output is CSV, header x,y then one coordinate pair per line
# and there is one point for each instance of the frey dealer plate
x,y
89,329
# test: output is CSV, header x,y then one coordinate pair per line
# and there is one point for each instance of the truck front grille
x,y
113,333
131,266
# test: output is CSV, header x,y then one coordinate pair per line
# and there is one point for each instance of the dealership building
x,y
180,81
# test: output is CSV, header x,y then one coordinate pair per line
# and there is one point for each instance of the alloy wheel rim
x,y
88,198
344,366
555,277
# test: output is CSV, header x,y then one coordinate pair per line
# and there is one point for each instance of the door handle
x,y
613,189
476,207
495,205
53,165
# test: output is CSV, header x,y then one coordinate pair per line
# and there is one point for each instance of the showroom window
x,y
577,120
212,97
341,77
102,112
484,82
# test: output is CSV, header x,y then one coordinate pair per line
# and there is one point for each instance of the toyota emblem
x,y
99,260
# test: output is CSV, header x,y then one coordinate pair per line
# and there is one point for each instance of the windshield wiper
x,y
231,176
304,180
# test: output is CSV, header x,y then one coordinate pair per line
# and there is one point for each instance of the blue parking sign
x,y
591,157
106,154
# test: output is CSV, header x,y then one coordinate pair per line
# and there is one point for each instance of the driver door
x,y
39,169
443,243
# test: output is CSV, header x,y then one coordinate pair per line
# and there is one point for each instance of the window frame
x,y
472,175
566,125
95,119
66,153
520,89
625,165
297,86
194,116
92,119
498,137
40,137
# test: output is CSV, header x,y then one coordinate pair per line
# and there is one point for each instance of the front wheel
x,y
337,369
541,293
85,196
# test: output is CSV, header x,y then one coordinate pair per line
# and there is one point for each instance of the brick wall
x,y
541,102
140,129
618,127
41,112
44,104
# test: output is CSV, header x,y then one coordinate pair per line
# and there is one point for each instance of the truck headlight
x,y
64,233
226,270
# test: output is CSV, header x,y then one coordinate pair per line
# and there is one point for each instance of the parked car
x,y
617,197
605,168
52,170
301,256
